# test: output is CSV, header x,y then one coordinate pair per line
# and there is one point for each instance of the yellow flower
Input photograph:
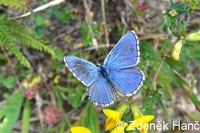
x,y
176,50
193,36
140,122
56,79
25,84
34,81
79,129
173,13
120,126
114,116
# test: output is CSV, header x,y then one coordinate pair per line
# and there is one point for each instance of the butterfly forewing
x,y
85,71
125,53
120,64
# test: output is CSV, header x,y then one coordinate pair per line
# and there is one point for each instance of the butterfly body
x,y
117,73
104,74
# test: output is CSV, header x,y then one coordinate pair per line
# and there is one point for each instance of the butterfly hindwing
x,y
125,53
85,71
100,93
127,80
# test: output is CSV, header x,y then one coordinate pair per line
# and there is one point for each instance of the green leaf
x,y
85,33
165,81
176,65
165,28
39,30
59,54
159,99
26,117
194,99
181,11
2,114
20,57
13,33
148,104
170,76
9,82
192,96
191,51
193,36
180,6
168,19
38,20
12,109
90,118
146,47
33,41
171,6
62,127
60,102
194,4
14,3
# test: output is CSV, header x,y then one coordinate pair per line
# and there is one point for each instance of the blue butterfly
x,y
117,74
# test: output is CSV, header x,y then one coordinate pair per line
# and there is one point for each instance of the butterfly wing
x,y
98,88
83,70
100,93
120,63
125,53
127,80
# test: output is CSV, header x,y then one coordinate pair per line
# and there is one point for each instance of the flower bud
x,y
176,50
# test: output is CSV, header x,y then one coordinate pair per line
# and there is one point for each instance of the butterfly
x,y
118,73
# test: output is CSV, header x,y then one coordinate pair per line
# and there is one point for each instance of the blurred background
x,y
38,94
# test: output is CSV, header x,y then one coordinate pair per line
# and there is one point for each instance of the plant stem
x,y
87,19
104,21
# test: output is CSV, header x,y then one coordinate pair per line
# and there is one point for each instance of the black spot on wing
x,y
79,67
